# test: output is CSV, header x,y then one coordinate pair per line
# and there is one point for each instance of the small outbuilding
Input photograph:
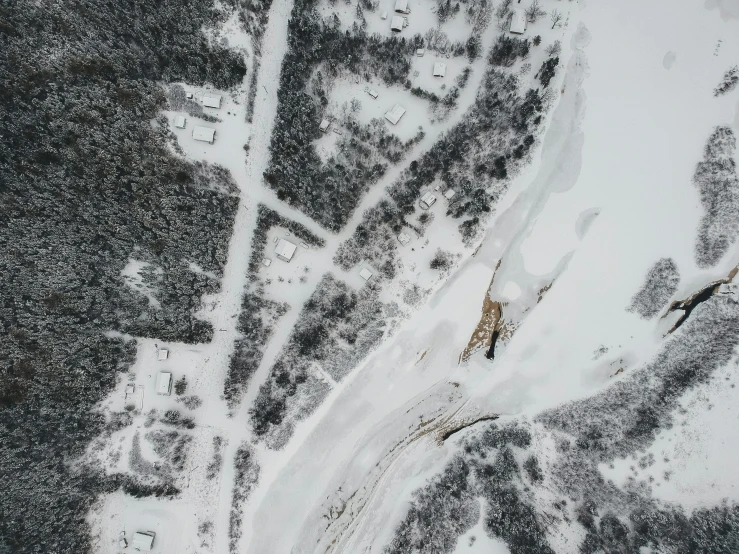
x,y
266,262
404,238
180,121
325,125
439,69
428,200
164,383
384,16
420,52
212,101
394,115
401,6
143,541
365,274
188,95
373,93
204,134
449,194
396,23
285,250
162,354
518,22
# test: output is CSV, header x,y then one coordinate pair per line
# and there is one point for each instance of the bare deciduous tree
x,y
555,18
534,12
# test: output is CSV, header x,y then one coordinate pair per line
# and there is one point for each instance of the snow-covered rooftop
x,y
212,101
394,115
204,134
518,21
285,250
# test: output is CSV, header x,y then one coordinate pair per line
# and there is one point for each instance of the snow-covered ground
x,y
608,194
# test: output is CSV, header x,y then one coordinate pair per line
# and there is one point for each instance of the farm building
x,y
164,384
324,126
204,134
394,115
518,22
163,354
439,69
365,274
143,541
428,200
212,101
396,23
180,121
285,250
449,194
401,6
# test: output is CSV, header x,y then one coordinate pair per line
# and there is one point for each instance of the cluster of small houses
x,y
203,134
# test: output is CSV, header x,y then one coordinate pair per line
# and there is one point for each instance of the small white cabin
x,y
394,115
439,69
212,101
396,23
143,541
365,274
180,121
404,238
401,6
285,250
163,354
325,125
204,134
518,22
428,200
420,52
373,93
384,16
164,383
449,194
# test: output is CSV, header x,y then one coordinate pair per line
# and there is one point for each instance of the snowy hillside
x,y
389,277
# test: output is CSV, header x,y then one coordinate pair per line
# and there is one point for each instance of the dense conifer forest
x,y
87,183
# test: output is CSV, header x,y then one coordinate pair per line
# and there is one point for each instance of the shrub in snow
x,y
659,286
180,386
214,466
191,402
718,185
729,81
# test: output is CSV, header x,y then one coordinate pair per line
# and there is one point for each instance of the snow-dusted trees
x,y
660,284
718,184
337,328
258,314
328,192
246,477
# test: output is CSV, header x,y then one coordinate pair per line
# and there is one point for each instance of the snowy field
x,y
607,194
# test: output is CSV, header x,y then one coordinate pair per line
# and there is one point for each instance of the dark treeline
x,y
87,182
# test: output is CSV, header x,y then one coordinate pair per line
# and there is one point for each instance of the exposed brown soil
x,y
490,321
689,304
